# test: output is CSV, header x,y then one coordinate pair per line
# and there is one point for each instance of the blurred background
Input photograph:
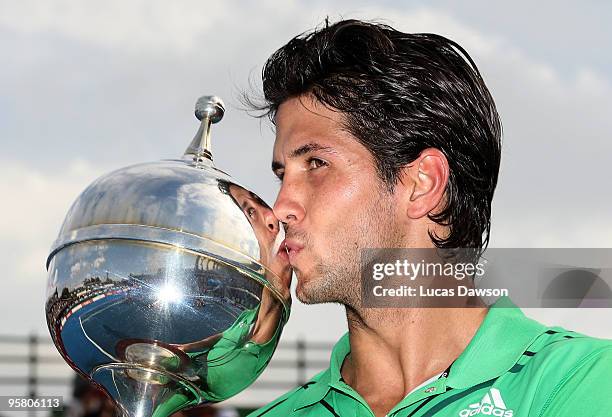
x,y
87,87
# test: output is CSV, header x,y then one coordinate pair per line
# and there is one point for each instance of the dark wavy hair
x,y
399,94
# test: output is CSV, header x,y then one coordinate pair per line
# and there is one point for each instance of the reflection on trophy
x,y
167,284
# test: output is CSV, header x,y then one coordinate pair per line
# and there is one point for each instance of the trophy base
x,y
154,354
139,391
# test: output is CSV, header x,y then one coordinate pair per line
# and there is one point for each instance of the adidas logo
x,y
491,404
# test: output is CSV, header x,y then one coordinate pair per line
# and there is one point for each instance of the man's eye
x,y
314,163
251,212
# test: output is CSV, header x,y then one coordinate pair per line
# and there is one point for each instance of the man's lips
x,y
282,253
290,247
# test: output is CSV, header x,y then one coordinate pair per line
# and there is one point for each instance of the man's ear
x,y
422,183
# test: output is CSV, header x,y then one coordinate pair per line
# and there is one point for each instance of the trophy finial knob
x,y
208,110
211,107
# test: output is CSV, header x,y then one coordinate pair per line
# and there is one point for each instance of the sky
x,y
87,87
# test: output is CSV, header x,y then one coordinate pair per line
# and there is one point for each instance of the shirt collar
x,y
500,341
498,344
339,352
315,392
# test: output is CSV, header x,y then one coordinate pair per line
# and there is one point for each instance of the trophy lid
x,y
182,202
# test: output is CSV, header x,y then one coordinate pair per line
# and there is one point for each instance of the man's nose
x,y
270,220
287,207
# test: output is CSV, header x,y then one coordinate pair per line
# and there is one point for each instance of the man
x,y
392,140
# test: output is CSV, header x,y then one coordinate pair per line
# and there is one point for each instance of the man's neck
x,y
395,350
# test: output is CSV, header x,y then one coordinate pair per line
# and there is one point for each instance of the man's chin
x,y
308,292
306,298
303,292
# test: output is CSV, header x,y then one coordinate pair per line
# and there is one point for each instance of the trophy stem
x,y
200,146
145,392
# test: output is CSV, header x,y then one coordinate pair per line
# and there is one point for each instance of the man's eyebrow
x,y
307,148
302,150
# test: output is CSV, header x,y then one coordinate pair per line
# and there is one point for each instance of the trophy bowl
x,y
168,284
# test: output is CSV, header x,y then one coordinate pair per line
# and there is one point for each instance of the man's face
x,y
267,231
331,199
260,216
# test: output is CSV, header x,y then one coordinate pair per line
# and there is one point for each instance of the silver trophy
x,y
168,282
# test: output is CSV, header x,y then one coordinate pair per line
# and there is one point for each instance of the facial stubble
x,y
336,278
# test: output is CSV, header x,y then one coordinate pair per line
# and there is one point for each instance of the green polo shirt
x,y
513,367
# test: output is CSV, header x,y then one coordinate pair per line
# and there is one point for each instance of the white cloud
x,y
165,27
114,23
33,211
75,269
593,83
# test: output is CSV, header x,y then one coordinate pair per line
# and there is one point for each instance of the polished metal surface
x,y
168,282
208,110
